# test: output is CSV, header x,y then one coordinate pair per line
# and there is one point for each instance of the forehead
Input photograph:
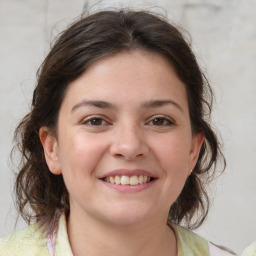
x,y
129,76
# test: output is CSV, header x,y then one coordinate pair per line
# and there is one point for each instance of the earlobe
x,y
197,142
50,145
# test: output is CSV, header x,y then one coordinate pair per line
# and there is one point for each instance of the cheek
x,y
80,154
79,157
173,157
173,152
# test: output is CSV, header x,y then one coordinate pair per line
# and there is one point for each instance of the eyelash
x,y
99,121
89,120
164,121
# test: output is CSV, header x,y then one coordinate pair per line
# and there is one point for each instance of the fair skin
x,y
125,118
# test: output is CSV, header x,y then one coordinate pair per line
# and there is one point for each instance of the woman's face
x,y
124,144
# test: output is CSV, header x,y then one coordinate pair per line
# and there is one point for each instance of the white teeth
x,y
117,180
126,180
134,180
112,180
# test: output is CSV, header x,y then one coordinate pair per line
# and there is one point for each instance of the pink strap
x,y
52,233
51,242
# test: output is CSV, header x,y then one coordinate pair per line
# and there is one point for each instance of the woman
x,y
117,149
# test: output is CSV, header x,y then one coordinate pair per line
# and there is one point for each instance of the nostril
x,y
128,156
129,149
119,155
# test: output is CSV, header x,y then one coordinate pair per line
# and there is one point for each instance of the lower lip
x,y
129,188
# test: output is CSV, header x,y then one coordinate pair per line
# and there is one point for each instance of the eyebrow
x,y
94,103
105,104
160,103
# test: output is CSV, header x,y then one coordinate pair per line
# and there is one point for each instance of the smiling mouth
x,y
128,181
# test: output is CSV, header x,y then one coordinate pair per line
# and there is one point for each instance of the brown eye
x,y
95,121
161,121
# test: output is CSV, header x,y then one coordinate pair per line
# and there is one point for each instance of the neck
x,y
88,236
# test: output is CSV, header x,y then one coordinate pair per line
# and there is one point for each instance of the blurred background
x,y
223,35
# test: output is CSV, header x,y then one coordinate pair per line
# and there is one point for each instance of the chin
x,y
128,216
127,220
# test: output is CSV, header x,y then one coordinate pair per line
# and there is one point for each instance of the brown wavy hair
x,y
40,195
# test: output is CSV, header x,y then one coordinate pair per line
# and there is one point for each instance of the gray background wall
x,y
224,38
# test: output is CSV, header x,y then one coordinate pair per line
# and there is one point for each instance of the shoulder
x,y
28,242
250,250
189,243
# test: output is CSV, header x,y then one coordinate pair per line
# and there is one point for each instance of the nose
x,y
129,143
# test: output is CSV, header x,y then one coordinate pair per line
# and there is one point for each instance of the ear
x,y
197,142
51,154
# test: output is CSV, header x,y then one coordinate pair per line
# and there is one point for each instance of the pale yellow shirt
x,y
250,250
33,242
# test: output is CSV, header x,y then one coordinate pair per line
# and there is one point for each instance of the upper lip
x,y
128,172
